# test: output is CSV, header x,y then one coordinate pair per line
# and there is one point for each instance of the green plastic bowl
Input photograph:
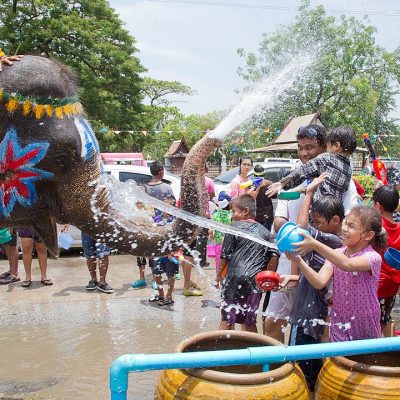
x,y
289,195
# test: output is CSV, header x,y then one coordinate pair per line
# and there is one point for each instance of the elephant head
x,y
49,158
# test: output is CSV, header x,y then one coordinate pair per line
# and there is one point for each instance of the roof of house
x,y
275,148
286,142
178,148
289,132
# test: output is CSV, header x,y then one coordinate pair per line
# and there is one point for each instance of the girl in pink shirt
x,y
235,189
245,164
355,269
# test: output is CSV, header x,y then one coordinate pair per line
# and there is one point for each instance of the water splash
x,y
129,203
264,95
129,208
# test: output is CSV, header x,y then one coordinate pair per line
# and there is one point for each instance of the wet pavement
x,y
58,342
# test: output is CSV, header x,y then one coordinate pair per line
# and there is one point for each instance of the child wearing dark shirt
x,y
168,265
246,258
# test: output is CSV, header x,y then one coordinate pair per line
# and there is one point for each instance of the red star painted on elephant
x,y
17,172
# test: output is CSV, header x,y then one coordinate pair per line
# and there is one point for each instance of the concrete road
x,y
59,341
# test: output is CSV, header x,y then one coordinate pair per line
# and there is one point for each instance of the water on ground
x,y
59,342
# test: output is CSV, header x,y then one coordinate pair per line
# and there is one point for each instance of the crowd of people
x,y
335,286
30,239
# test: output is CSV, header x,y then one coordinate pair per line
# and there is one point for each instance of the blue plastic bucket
x,y
392,257
288,234
65,240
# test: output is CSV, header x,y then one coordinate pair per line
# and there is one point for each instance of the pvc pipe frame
x,y
264,356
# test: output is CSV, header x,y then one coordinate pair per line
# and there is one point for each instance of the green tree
x,y
191,127
246,138
353,81
160,96
157,90
88,36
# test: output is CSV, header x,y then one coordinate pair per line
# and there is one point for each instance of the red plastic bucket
x,y
267,280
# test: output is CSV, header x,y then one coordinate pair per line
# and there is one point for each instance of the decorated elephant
x,y
49,156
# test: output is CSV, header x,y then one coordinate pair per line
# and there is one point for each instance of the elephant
x,y
49,159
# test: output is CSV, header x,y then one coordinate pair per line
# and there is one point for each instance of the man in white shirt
x,y
311,141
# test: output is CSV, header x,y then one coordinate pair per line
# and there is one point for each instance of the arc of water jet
x,y
264,93
125,194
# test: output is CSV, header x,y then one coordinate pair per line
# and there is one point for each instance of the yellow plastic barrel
x,y
366,377
283,381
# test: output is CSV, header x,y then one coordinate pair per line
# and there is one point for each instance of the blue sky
x,y
196,44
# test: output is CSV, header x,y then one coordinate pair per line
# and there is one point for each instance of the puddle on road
x,y
52,352
45,362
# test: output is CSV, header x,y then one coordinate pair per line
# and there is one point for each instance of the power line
x,y
219,4
280,8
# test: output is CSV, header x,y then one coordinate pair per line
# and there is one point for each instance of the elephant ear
x,y
47,229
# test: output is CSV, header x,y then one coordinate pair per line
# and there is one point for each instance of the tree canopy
x,y
88,36
191,127
160,96
353,81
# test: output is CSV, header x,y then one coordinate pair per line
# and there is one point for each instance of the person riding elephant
x,y
49,159
8,60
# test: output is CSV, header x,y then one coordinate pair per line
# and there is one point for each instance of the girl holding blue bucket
x,y
355,269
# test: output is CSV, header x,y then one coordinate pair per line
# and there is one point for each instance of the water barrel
x,y
372,377
283,381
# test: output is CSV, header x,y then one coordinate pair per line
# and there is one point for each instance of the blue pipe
x,y
251,356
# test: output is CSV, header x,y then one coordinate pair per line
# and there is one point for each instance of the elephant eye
x,y
62,161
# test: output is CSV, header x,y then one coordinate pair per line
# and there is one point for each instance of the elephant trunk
x,y
143,238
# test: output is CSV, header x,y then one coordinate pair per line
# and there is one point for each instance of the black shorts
x,y
164,265
141,261
387,304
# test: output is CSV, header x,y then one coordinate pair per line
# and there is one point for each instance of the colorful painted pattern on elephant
x,y
40,106
90,145
18,173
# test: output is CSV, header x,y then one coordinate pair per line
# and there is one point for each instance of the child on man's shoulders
x,y
335,161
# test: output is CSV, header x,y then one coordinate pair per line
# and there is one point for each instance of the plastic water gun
x,y
252,182
176,256
378,166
